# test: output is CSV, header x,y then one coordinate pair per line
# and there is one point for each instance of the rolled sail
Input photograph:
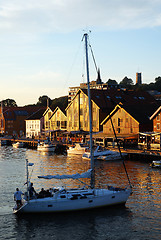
x,y
73,176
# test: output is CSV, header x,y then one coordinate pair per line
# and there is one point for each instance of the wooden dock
x,y
132,154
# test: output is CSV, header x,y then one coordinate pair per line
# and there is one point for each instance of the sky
x,y
42,52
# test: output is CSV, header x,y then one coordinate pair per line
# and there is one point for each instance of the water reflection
x,y
141,217
95,224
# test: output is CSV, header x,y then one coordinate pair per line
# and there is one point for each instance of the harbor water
x,y
140,219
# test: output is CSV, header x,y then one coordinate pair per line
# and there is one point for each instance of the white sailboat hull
x,y
100,198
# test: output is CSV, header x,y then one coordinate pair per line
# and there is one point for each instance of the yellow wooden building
x,y
129,119
78,113
47,114
123,122
58,120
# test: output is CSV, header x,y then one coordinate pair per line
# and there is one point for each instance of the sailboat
x,y
66,200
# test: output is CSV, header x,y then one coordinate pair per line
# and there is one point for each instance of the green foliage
x,y
111,82
9,103
126,82
61,102
44,101
157,84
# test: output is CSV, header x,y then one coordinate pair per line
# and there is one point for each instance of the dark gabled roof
x,y
62,107
111,97
154,114
10,113
37,115
140,112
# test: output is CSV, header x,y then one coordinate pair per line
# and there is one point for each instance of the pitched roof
x,y
155,112
10,113
37,115
108,99
140,112
56,109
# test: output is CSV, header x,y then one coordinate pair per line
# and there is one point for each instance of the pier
x,y
132,154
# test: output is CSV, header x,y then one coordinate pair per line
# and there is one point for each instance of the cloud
x,y
41,16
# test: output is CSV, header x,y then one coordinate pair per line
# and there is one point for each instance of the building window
x,y
81,111
158,126
81,125
158,117
94,123
119,121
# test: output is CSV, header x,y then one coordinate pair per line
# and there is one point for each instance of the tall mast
x,y
90,113
2,117
27,178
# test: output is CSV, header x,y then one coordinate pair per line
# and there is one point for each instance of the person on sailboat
x,y
18,197
31,191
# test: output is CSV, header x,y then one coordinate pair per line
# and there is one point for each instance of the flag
x,y
30,164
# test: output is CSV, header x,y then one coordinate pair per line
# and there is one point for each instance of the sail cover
x,y
73,176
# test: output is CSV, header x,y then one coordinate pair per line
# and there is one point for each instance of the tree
x,y
126,82
112,82
157,84
9,103
44,101
62,102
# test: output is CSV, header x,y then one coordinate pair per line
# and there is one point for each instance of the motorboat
x,y
102,153
45,146
78,149
156,164
112,156
66,200
18,145
3,142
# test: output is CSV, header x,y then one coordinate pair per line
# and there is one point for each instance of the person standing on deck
x,y
18,197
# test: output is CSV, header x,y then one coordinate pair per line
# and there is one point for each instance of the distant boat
x,y
18,145
45,146
156,164
78,149
103,154
3,142
65,199
112,156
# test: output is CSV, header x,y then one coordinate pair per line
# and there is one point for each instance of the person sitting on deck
x,y
42,193
48,193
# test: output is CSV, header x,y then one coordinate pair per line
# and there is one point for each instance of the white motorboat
x,y
18,145
156,164
45,146
78,149
76,199
102,153
112,156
